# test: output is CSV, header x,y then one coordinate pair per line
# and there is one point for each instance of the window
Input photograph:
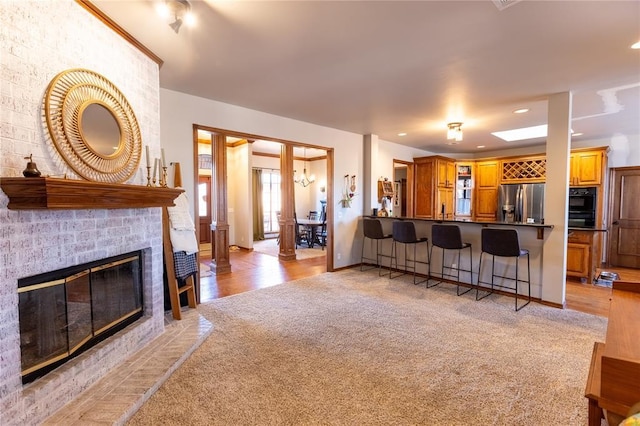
x,y
270,199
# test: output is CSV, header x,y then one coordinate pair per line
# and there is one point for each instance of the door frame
x,y
219,183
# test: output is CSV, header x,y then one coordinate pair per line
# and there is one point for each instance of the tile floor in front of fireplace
x,y
116,397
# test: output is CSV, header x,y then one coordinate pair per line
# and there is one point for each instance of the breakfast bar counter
x,y
531,236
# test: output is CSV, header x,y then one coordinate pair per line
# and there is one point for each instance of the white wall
x,y
38,40
178,113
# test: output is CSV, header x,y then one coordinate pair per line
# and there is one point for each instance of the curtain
x,y
258,210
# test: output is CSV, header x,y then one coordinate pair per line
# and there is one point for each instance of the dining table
x,y
312,226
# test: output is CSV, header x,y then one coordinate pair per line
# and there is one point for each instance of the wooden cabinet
x,y
434,177
446,172
581,256
586,168
486,190
524,170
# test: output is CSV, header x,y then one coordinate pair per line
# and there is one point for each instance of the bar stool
x,y
447,237
372,229
503,243
405,233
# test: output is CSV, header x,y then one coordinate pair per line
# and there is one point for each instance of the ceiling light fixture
x,y
402,134
521,111
636,45
178,10
454,131
303,179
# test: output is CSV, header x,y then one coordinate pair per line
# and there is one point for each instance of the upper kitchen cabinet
x,y
486,190
586,167
524,170
446,172
435,183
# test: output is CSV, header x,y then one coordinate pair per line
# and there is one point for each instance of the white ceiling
x,y
385,67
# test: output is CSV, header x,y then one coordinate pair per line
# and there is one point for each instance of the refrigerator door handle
x,y
519,204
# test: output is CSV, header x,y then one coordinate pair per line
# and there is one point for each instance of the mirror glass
x,y
100,129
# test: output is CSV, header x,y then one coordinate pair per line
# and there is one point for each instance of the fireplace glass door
x,y
65,312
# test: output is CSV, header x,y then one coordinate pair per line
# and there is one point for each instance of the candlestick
x,y
148,157
148,175
164,177
164,163
155,169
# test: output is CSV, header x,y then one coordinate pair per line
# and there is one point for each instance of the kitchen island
x,y
532,237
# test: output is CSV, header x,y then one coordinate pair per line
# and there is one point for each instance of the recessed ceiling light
x,y
577,134
523,133
636,45
402,134
480,146
521,111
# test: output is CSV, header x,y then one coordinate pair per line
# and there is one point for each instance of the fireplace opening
x,y
65,312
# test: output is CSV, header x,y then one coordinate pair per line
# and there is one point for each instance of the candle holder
x,y
163,182
148,175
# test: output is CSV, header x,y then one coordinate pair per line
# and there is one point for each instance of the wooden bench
x,y
613,383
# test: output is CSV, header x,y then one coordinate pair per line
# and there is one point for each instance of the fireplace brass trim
x,y
119,320
82,342
116,263
41,285
66,102
45,363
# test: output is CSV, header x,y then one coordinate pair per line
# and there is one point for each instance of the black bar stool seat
x,y
372,229
504,243
404,233
448,237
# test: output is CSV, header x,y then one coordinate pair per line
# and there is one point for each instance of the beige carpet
x,y
271,248
350,348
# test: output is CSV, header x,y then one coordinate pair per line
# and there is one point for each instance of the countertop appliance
x,y
521,203
582,207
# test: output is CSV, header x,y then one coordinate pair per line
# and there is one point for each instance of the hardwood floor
x,y
252,270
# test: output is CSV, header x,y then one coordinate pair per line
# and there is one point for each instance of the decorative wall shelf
x,y
43,193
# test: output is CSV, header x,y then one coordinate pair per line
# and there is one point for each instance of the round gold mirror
x,y
100,129
93,126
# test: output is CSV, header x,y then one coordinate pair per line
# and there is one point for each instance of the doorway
x,y
403,188
204,209
624,218
232,154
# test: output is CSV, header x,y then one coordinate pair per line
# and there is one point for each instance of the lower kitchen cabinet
x,y
581,255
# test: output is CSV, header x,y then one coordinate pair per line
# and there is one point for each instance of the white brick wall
x,y
39,39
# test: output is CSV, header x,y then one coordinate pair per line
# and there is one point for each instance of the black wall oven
x,y
582,207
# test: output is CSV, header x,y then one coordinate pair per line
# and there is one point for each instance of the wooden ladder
x,y
174,289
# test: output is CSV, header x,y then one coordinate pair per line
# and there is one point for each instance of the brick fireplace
x,y
35,242
39,40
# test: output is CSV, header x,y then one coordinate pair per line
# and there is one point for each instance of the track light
x,y
178,10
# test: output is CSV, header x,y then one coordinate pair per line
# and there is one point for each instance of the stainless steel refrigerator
x,y
521,203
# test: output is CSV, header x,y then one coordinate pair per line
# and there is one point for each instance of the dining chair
x,y
302,234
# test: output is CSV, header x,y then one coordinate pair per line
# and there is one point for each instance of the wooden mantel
x,y
43,193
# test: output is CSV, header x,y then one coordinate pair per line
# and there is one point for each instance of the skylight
x,y
522,133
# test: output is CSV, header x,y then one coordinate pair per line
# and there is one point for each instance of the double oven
x,y
582,207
